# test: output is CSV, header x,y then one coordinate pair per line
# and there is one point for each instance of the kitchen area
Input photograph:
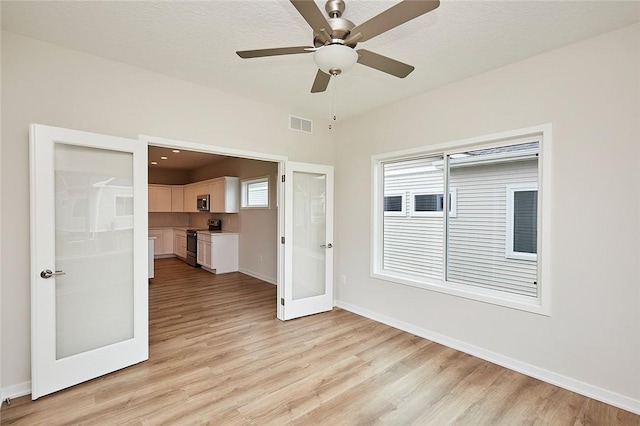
x,y
197,213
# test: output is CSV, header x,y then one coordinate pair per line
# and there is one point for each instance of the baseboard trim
x,y
16,391
603,395
270,280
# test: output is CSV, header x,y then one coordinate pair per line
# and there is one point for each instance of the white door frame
x,y
252,155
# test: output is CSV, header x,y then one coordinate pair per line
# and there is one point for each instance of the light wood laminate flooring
x,y
218,355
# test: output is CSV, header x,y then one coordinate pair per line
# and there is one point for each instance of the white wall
x,y
46,84
590,92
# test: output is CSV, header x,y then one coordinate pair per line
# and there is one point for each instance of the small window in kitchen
x,y
255,193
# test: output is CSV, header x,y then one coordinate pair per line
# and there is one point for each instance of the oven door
x,y
192,248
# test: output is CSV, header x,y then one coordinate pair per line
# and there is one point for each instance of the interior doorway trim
x,y
211,149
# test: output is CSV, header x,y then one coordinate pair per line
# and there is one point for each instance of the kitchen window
x,y
255,193
487,247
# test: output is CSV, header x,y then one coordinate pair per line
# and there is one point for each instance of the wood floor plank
x,y
218,355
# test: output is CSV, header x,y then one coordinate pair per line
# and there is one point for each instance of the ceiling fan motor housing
x,y
340,27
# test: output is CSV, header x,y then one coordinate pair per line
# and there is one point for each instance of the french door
x,y
89,286
308,236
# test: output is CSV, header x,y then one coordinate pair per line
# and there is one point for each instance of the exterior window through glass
x,y
525,221
429,203
393,203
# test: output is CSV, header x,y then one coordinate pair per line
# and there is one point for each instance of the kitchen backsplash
x,y
158,220
229,220
193,220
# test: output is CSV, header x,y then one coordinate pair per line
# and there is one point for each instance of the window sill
x,y
522,303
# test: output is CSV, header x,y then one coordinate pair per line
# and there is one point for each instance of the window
x,y
429,204
394,204
255,193
487,247
522,221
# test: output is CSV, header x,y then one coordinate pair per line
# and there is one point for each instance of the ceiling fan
x,y
335,38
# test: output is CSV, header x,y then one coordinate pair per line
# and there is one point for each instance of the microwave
x,y
203,203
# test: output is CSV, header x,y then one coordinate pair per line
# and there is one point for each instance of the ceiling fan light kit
x,y
335,38
335,59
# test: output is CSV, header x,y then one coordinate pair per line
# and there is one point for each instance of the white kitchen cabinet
x,y
163,245
191,192
225,194
159,198
179,243
177,198
203,255
218,251
158,246
167,241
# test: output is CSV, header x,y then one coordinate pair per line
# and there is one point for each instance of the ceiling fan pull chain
x,y
331,101
335,103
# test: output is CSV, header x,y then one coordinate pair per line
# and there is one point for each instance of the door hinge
x,y
283,178
281,240
282,301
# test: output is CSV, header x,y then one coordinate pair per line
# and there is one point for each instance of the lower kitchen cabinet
x,y
179,244
203,255
163,245
218,251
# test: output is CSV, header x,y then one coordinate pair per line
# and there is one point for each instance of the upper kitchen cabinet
x,y
166,198
177,198
225,195
191,192
159,198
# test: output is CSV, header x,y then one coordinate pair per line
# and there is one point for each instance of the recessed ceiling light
x,y
175,150
163,158
153,163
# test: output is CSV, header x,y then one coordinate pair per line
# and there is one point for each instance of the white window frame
x,y
244,192
541,304
453,212
403,212
509,252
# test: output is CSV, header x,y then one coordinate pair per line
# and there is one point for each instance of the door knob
x,y
47,273
328,245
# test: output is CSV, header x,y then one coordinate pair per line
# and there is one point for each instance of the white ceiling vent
x,y
300,124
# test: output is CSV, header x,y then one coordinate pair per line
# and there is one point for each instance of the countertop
x,y
184,228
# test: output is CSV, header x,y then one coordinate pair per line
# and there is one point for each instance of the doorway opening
x,y
175,162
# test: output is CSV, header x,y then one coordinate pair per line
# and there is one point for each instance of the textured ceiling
x,y
196,41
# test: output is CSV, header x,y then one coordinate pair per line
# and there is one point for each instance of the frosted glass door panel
x,y
309,235
93,247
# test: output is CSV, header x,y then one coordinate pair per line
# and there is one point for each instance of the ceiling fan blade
x,y
383,63
321,82
394,16
314,17
245,54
